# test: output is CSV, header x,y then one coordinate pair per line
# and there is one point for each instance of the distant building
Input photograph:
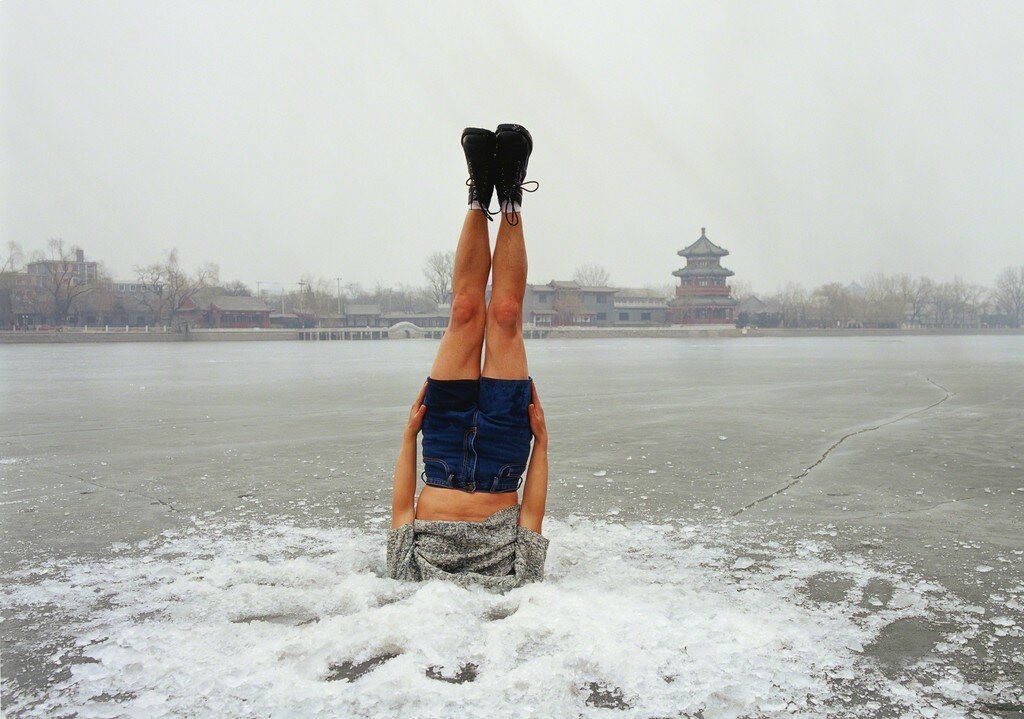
x,y
130,287
285,320
565,302
19,300
538,306
363,315
224,311
638,306
755,312
702,297
82,272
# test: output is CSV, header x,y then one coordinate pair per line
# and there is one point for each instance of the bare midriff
x,y
456,505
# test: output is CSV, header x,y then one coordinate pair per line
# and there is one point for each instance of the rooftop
x,y
703,272
645,292
704,301
703,247
238,303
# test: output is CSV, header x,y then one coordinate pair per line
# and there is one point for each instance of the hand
x,y
537,424
416,412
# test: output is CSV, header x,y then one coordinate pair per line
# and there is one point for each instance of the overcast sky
x,y
816,141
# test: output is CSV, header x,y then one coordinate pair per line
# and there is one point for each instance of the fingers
x,y
421,395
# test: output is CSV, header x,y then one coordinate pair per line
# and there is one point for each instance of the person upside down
x,y
468,525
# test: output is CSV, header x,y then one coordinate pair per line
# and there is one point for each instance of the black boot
x,y
479,146
514,147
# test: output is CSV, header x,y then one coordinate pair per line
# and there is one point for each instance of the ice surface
x,y
223,530
239,619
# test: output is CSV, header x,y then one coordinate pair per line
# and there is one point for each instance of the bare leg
x,y
458,357
505,353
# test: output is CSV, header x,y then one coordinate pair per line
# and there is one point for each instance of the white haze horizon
x,y
816,142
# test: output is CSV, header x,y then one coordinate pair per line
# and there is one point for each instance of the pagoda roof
x,y
703,272
704,301
703,247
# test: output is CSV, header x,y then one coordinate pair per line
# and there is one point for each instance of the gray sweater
x,y
496,553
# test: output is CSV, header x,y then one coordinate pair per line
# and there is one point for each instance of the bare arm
x,y
535,491
403,488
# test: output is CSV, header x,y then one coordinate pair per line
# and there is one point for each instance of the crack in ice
x,y
796,479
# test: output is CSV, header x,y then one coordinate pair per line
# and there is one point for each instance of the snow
x,y
247,618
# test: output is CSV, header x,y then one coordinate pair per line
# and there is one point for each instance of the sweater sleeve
x,y
401,564
531,553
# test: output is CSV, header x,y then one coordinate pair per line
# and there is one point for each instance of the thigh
x,y
458,356
505,356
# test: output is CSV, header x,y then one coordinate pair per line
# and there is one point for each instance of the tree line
x,y
899,300
164,287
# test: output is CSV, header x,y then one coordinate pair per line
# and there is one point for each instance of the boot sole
x,y
477,132
517,130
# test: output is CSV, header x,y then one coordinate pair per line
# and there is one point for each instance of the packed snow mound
x,y
244,619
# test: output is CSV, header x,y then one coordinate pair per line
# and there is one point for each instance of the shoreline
x,y
398,332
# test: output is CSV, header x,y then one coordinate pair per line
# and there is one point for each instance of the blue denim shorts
x,y
476,433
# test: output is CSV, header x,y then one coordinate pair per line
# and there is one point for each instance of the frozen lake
x,y
197,530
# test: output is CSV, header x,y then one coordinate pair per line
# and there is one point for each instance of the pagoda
x,y
702,296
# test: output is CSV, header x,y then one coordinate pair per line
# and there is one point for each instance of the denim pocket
x,y
442,472
511,471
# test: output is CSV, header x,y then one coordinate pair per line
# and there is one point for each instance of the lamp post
x,y
339,297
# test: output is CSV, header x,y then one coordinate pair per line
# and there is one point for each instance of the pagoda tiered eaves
x,y
703,297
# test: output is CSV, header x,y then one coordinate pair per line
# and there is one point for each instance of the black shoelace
x,y
522,187
487,213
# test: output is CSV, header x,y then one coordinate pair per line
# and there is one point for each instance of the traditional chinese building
x,y
223,311
702,297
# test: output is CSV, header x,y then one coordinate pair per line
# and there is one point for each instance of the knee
x,y
467,310
505,312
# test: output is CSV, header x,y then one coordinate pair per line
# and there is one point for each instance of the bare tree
x,y
168,288
13,259
832,305
591,274
665,289
916,295
793,305
61,285
741,289
236,288
438,270
883,304
1009,294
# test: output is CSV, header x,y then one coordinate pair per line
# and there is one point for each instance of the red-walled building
x,y
702,297
224,311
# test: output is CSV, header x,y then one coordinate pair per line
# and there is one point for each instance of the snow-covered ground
x,y
197,530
